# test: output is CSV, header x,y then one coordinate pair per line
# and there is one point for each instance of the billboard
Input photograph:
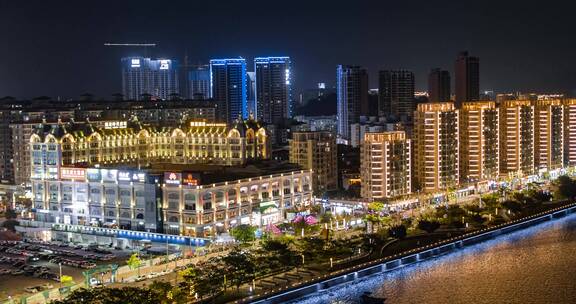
x,y
138,177
164,64
73,173
115,125
172,178
124,176
190,178
93,175
109,175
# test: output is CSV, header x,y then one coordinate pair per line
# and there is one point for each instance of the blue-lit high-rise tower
x,y
155,77
352,97
273,89
228,86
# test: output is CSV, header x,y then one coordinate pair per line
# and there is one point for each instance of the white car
x,y
94,282
140,278
153,275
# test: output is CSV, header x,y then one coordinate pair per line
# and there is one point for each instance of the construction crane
x,y
144,45
130,44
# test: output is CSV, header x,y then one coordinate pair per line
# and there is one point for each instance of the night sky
x,y
57,49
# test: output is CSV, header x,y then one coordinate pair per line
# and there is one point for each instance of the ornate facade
x,y
131,142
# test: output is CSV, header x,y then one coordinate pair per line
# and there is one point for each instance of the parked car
x,y
94,282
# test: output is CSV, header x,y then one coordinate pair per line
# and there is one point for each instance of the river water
x,y
535,265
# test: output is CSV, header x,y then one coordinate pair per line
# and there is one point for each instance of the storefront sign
x,y
138,177
172,178
73,173
190,179
115,125
124,176
109,175
93,175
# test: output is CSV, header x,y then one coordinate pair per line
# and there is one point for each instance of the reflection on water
x,y
536,265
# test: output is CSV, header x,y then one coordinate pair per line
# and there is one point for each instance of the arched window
x,y
207,200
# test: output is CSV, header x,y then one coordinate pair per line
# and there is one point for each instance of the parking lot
x,y
31,266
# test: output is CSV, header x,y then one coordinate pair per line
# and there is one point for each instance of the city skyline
x,y
222,152
510,61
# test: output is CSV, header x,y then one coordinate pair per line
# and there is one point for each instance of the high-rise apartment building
x,y
548,134
352,94
385,166
6,150
228,85
396,93
569,132
144,76
479,140
316,151
516,138
273,89
467,82
436,148
439,85
251,93
199,82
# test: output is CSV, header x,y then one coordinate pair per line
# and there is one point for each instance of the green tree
x,y
244,233
428,226
376,217
541,196
190,275
398,232
312,247
279,249
210,280
511,205
134,262
326,217
204,279
10,214
474,209
10,225
240,267
275,245
566,187
168,293
126,295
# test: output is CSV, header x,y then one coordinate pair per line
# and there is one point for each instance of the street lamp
x,y
60,266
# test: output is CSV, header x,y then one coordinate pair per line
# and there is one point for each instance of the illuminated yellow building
x,y
570,132
436,150
385,165
516,138
197,142
316,151
548,134
479,141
